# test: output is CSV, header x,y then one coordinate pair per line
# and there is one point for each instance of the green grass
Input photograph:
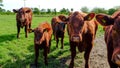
x,y
19,53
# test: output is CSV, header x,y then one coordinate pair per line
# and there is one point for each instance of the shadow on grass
x,y
28,60
7,37
53,60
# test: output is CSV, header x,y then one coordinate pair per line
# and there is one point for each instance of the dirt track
x,y
98,56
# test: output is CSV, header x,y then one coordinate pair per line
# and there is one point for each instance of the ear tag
x,y
103,21
89,18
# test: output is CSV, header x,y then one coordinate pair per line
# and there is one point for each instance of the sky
x,y
59,4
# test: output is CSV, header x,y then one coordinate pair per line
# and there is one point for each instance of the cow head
x,y
22,15
39,35
59,23
114,20
60,26
75,25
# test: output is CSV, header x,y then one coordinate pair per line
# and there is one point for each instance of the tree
x,y
99,10
111,11
36,10
55,11
71,9
84,9
48,11
64,11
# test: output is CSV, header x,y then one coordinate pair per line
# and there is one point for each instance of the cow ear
x,y
104,20
89,17
62,17
15,10
28,11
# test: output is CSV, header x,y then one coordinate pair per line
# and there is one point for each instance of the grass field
x,y
19,53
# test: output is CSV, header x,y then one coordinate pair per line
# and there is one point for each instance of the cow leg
x,y
30,26
73,54
26,31
49,46
87,54
62,43
36,55
18,30
57,40
45,56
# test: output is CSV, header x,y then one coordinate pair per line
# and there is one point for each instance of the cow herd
x,y
81,28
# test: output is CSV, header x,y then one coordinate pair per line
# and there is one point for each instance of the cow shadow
x,y
28,60
53,61
9,37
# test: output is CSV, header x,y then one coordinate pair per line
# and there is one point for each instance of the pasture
x,y
19,53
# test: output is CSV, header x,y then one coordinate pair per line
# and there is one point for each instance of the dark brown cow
x,y
58,25
42,40
82,30
112,37
23,18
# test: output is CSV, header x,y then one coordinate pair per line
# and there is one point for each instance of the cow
x,y
58,25
42,40
23,18
82,30
112,36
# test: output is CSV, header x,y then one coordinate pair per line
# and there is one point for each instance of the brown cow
x,y
82,30
58,25
23,18
42,40
112,37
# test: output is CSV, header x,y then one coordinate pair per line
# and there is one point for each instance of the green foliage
x,y
111,11
36,10
85,9
64,11
99,10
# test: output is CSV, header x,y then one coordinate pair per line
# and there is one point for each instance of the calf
x,y
82,30
42,39
112,37
58,25
23,18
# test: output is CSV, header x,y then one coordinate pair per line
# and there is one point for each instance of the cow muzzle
x,y
38,42
76,38
22,20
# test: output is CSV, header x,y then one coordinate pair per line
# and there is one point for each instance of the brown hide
x,y
82,30
23,18
112,37
58,25
42,39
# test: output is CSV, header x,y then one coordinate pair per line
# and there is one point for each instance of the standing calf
x,y
82,30
58,25
112,37
23,18
42,40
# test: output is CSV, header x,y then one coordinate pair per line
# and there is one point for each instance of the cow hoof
x,y
61,47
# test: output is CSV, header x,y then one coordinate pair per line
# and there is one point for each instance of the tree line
x,y
66,11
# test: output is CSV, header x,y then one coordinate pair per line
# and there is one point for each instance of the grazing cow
x,y
112,37
23,18
58,25
82,30
42,40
